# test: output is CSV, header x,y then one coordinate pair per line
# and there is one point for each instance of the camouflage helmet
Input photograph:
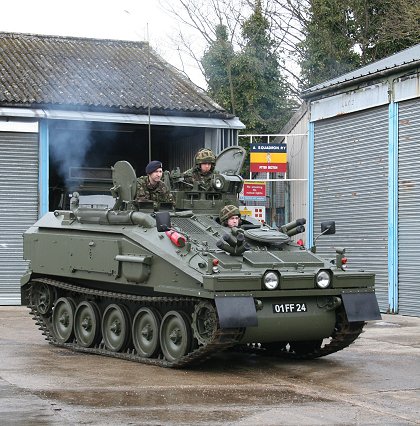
x,y
205,155
228,211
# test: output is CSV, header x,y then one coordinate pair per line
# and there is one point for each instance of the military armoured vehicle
x,y
171,286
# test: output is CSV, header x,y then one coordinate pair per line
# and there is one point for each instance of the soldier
x,y
232,242
151,187
230,216
203,169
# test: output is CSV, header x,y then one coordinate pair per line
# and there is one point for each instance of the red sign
x,y
254,189
268,168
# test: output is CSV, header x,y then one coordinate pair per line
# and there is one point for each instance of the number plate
x,y
288,308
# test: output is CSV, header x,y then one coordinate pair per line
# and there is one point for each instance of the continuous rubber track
x,y
222,339
343,335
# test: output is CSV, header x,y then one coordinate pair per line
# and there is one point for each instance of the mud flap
x,y
236,312
361,306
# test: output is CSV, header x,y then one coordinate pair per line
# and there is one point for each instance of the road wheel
x,y
145,332
87,324
175,335
115,327
63,319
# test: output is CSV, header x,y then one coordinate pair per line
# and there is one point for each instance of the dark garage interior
x,y
81,154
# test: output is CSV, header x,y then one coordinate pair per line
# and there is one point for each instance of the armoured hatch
x,y
302,256
262,259
267,235
231,160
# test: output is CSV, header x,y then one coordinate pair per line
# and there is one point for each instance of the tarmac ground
x,y
375,381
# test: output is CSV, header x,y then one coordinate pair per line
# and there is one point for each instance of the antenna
x,y
148,94
147,84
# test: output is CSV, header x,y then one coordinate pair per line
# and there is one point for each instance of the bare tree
x,y
376,29
202,17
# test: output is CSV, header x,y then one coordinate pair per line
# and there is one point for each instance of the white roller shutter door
x,y
351,187
18,207
409,208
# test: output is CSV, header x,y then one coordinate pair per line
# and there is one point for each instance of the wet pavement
x,y
374,381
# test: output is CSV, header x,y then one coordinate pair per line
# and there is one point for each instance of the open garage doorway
x,y
81,154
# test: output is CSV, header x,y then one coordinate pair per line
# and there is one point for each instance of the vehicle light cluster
x,y
271,280
215,267
322,279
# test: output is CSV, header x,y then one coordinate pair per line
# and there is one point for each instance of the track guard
x,y
361,306
236,312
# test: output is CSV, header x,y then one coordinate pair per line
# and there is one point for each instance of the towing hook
x,y
333,303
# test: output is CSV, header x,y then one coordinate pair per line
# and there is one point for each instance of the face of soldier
x,y
155,176
205,168
233,221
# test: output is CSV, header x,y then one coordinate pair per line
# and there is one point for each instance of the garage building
x,y
70,108
364,162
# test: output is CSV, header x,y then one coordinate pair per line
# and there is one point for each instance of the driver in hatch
x,y
230,216
233,242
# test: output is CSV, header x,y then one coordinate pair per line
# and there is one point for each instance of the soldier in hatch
x,y
151,187
230,216
232,242
203,169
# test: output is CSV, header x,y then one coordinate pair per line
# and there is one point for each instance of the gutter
x,y
307,94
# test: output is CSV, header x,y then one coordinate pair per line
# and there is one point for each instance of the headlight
x,y
270,280
322,279
219,183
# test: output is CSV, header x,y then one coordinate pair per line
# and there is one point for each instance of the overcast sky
x,y
139,20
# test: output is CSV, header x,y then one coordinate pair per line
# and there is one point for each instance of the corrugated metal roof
x,y
92,74
406,58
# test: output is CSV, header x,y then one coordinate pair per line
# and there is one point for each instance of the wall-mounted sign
x,y
268,158
253,191
258,212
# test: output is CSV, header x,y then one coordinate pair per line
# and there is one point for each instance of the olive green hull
x,y
138,260
119,264
312,324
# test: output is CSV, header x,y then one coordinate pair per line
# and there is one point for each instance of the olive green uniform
x,y
157,193
194,175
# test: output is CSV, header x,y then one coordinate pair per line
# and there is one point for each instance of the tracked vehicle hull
x,y
172,288
86,295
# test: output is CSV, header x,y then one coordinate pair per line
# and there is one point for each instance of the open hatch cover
x,y
230,160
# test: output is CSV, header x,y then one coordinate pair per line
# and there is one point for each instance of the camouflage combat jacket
x,y
195,175
158,193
